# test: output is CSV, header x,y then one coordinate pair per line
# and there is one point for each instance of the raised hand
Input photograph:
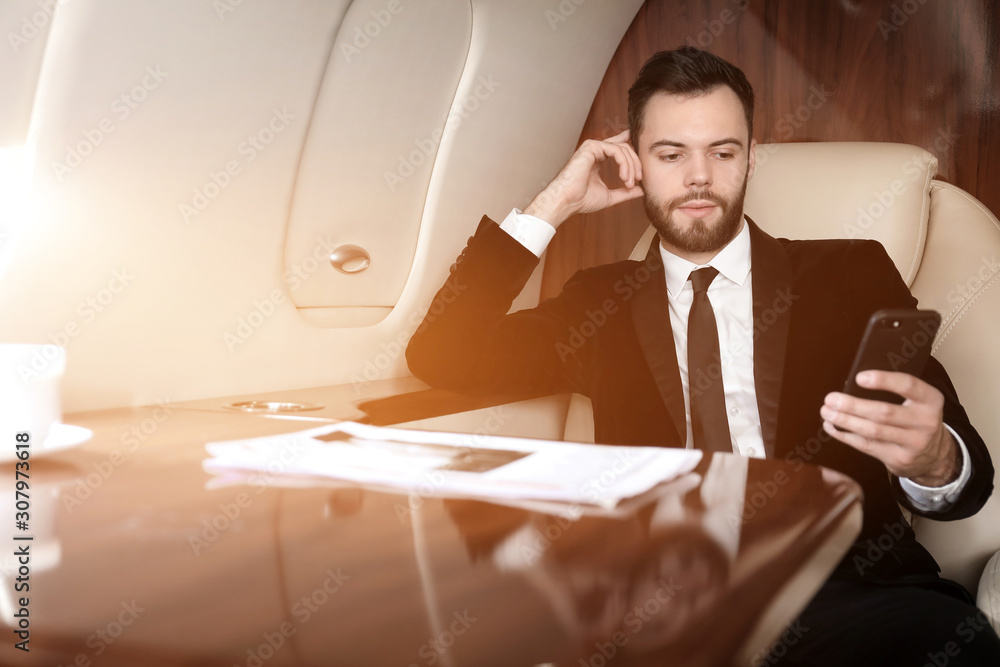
x,y
578,187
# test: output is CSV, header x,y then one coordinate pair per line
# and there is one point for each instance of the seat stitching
x,y
965,307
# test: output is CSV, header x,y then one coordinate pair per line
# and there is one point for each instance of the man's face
x,y
696,162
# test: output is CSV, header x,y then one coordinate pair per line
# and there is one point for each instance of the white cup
x,y
30,397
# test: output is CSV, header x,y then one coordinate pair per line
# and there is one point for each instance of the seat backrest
x,y
946,246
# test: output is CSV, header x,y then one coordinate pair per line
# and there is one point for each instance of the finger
x,y
901,436
622,140
586,162
635,160
883,451
619,195
626,168
926,411
621,137
880,411
911,422
904,384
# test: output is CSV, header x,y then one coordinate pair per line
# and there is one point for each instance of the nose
x,y
699,172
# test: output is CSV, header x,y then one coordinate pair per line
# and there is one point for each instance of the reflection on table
x,y
156,566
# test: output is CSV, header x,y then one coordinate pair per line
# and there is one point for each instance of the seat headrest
x,y
842,190
846,190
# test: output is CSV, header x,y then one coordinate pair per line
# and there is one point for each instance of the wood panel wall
x,y
909,71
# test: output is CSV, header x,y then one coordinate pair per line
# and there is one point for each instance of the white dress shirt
x,y
732,301
731,297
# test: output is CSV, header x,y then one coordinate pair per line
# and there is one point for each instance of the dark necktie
x,y
708,397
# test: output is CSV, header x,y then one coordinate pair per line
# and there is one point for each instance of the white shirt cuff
x,y
935,499
531,232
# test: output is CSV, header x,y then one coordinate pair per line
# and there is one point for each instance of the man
x,y
783,317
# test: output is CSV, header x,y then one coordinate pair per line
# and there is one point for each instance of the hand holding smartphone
x,y
894,340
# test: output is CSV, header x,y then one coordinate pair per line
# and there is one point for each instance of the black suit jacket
x,y
608,336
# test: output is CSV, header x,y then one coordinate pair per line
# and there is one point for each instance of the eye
x,y
725,155
669,157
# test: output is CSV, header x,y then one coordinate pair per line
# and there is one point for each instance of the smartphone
x,y
894,340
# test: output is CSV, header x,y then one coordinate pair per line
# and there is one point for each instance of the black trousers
x,y
932,624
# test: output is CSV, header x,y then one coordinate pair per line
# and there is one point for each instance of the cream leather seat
x,y
946,246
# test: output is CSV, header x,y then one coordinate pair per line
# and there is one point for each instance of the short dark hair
x,y
685,71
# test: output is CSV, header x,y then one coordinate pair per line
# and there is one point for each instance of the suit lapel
x,y
771,272
651,318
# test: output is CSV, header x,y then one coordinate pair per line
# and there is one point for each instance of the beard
x,y
699,237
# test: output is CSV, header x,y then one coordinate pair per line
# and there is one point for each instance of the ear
x,y
752,159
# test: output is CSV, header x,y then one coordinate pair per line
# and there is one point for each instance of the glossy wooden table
x,y
141,558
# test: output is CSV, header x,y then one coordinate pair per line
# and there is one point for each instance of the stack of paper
x,y
458,464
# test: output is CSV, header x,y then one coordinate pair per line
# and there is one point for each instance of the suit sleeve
x,y
882,287
468,342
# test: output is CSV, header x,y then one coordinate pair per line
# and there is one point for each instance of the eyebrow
x,y
714,144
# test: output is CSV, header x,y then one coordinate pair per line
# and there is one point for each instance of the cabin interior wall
x,y
151,165
921,73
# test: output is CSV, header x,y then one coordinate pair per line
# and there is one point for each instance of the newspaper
x,y
457,464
